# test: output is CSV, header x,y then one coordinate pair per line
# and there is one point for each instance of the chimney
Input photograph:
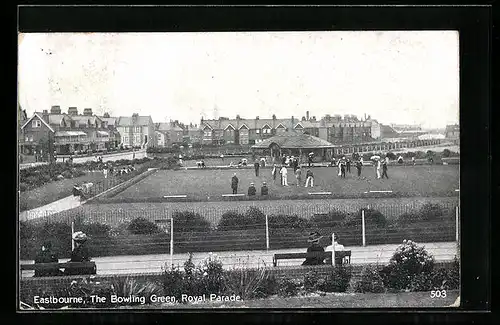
x,y
87,111
238,117
106,114
72,111
274,116
293,121
45,115
55,109
303,118
256,117
307,115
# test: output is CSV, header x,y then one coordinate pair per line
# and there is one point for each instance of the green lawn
x,y
410,181
329,300
54,191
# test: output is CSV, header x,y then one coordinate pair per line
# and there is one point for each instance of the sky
x,y
403,77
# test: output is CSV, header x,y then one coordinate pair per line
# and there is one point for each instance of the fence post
x,y
72,232
333,249
172,241
267,233
456,225
363,226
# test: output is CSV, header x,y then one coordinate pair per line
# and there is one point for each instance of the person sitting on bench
x,y
338,248
252,190
46,255
314,238
79,254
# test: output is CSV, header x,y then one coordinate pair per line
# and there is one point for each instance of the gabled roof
x,y
140,121
229,125
294,140
243,125
110,120
39,117
167,127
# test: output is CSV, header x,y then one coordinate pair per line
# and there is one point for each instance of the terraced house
x,y
66,133
333,129
168,134
136,131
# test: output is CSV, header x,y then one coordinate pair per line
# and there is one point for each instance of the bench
x,y
341,257
90,266
232,195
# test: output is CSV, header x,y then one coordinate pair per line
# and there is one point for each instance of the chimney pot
x,y
256,117
307,115
72,110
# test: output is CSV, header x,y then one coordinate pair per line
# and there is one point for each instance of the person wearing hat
x,y
234,184
46,255
274,172
314,238
251,190
79,254
256,165
264,190
298,175
284,178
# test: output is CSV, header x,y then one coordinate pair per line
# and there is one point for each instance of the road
x,y
132,264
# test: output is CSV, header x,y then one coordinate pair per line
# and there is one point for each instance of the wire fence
x,y
242,230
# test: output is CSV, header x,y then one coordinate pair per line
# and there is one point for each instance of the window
x,y
36,123
125,139
137,129
127,129
266,131
26,138
257,131
207,134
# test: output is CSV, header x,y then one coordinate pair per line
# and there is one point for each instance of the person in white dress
x,y
378,168
284,172
329,248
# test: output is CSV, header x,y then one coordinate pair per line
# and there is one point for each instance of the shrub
x,y
288,287
173,283
446,153
373,218
23,187
331,219
187,221
287,221
370,281
454,275
267,287
311,279
407,262
212,280
244,282
336,280
253,218
130,287
142,226
67,174
78,173
430,212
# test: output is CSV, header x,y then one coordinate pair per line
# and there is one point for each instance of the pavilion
x,y
294,144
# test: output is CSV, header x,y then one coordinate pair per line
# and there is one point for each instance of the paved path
x,y
63,204
155,263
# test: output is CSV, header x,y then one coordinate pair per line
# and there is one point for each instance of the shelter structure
x,y
295,144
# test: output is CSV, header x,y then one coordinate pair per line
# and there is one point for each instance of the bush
x,y
23,187
430,212
173,283
373,218
331,219
288,287
67,174
370,281
311,279
212,280
245,282
232,220
188,221
142,226
267,287
289,222
408,261
337,280
446,153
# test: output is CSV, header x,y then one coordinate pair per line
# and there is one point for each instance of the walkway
x,y
131,264
139,154
64,204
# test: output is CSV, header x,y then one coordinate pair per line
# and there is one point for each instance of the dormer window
x,y
36,123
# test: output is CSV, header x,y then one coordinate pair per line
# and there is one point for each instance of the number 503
x,y
438,294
